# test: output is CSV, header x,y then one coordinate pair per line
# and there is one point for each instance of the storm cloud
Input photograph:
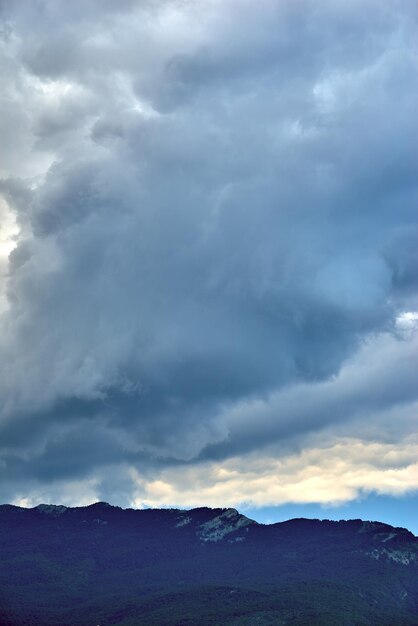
x,y
209,235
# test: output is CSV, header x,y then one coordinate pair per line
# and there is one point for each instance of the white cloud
x,y
339,473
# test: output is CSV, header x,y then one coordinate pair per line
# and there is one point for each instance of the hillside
x,y
109,566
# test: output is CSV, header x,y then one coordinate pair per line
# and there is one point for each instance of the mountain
x,y
103,565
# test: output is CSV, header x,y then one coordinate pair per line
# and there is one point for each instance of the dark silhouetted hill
x,y
109,566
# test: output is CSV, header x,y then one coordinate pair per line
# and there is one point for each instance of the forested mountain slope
x,y
109,566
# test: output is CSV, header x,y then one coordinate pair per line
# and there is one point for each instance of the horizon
x,y
208,255
264,518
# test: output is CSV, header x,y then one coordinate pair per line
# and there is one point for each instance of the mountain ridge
x,y
102,564
60,508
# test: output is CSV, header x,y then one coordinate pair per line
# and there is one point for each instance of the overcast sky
x,y
208,253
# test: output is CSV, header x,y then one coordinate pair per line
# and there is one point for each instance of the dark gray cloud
x,y
216,203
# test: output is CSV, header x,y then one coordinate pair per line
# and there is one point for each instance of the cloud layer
x,y
212,207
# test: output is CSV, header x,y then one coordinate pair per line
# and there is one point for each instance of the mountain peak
x,y
103,505
51,509
227,522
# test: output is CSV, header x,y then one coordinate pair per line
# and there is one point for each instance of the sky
x,y
208,255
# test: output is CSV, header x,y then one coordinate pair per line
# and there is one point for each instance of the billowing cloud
x,y
328,475
212,210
